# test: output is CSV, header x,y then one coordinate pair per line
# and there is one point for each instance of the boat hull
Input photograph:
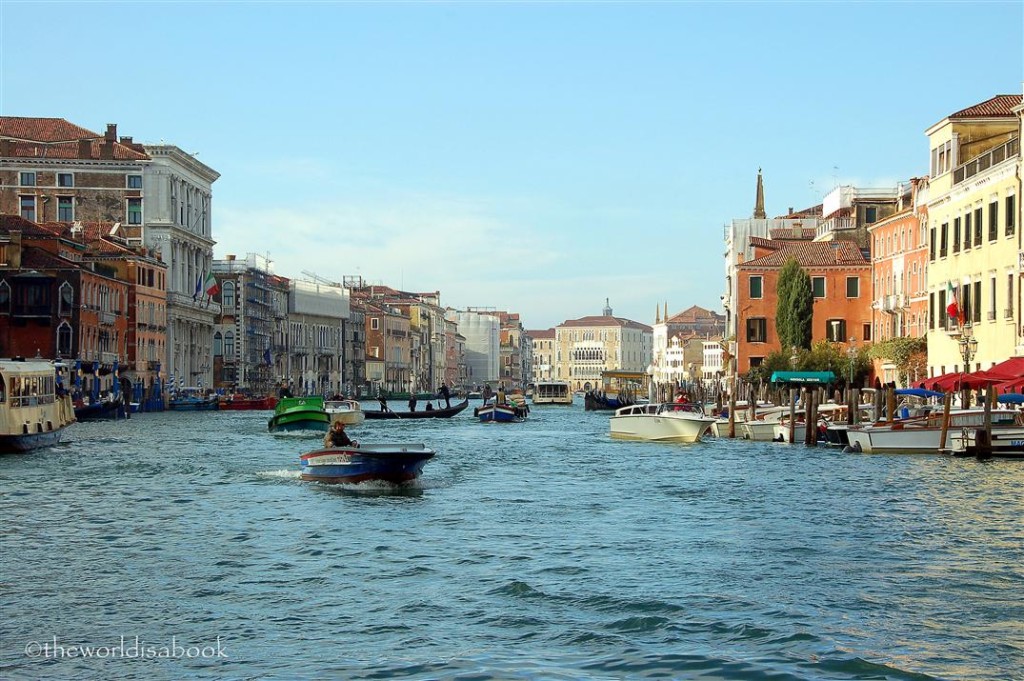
x,y
193,405
654,424
299,413
344,411
432,414
101,411
350,465
15,444
499,413
1007,442
247,403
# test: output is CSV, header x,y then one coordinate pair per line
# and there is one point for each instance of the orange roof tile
x,y
57,138
601,320
1000,105
810,254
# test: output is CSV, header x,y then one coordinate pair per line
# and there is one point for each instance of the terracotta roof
x,y
695,313
39,259
1000,105
57,138
602,320
811,254
540,334
16,223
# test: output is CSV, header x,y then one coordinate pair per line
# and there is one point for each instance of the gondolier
x,y
444,393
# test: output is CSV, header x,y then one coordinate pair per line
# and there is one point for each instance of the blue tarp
x,y
918,392
814,377
1012,398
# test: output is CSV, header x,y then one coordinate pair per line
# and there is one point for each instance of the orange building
x,y
899,283
840,278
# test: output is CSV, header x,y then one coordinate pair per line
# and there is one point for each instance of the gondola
x,y
448,412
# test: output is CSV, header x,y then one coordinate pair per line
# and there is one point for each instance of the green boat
x,y
299,413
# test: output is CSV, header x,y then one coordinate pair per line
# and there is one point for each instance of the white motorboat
x,y
762,428
922,435
828,414
347,411
720,428
660,422
1007,442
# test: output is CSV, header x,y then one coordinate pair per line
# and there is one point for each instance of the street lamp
x,y
793,359
968,349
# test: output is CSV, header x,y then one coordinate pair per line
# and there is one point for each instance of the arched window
x,y
66,300
64,338
5,297
227,295
218,344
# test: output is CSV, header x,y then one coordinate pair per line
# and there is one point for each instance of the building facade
x,y
974,247
588,346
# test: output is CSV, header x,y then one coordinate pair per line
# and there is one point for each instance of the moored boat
x,y
34,411
299,413
192,399
105,408
1006,442
394,463
923,435
670,422
239,402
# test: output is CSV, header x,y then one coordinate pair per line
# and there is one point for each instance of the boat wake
x,y
282,474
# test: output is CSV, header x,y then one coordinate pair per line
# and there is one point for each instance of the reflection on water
x,y
535,550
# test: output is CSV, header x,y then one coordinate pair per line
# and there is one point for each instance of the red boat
x,y
244,402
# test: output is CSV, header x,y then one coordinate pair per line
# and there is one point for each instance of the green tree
x,y
794,307
909,355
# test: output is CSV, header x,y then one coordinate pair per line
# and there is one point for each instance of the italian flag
x,y
211,284
953,308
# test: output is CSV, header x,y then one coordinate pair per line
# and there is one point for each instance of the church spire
x,y
657,314
759,213
666,312
607,308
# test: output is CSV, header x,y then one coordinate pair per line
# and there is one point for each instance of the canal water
x,y
541,550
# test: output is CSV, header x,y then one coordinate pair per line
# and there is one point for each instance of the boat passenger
x,y
501,394
412,403
337,437
430,406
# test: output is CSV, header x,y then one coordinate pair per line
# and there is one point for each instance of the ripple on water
x,y
538,551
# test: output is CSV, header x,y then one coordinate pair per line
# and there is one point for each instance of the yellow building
x,y
973,230
587,346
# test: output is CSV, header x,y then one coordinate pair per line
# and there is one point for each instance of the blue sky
x,y
533,157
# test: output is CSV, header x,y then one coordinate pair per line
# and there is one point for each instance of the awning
x,y
944,383
918,392
804,377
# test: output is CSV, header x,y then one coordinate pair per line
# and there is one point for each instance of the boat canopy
x,y
1012,398
918,392
804,377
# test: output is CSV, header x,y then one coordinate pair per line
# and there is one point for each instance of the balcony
x,y
107,318
108,357
986,160
838,224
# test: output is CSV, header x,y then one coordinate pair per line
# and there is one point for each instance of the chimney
x,y
107,150
84,148
229,257
791,210
6,147
111,135
127,141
